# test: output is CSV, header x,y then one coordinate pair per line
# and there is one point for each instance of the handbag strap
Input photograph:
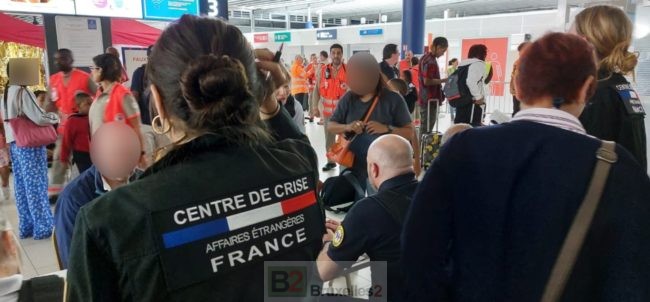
x,y
5,97
371,109
574,240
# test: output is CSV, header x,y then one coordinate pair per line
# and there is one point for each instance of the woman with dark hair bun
x,y
491,215
235,188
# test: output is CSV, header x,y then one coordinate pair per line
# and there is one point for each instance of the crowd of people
x,y
200,172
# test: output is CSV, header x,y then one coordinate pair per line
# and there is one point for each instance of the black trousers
x,y
82,160
303,99
464,114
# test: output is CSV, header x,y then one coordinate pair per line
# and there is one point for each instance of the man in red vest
x,y
332,85
63,87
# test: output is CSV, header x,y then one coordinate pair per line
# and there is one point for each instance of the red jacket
x,y
76,136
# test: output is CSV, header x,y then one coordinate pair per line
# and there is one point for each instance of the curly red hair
x,y
556,65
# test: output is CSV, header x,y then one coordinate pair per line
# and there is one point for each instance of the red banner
x,y
261,38
497,56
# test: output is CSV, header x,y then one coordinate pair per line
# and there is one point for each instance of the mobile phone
x,y
278,54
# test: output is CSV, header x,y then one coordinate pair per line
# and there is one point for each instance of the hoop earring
x,y
158,125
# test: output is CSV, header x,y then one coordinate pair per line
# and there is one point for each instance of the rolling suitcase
x,y
430,141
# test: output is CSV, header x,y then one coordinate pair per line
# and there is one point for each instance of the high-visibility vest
x,y
298,79
115,108
331,90
63,95
311,75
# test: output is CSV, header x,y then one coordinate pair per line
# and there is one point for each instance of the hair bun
x,y
209,79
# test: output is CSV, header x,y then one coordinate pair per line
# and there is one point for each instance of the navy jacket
x,y
80,191
607,117
489,218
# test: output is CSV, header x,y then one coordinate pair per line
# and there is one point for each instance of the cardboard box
x,y
23,71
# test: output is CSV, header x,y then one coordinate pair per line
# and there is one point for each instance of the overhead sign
x,y
282,37
169,9
326,34
133,58
82,35
497,57
50,7
372,32
110,8
214,8
261,38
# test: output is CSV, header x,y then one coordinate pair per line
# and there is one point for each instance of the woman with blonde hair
x,y
615,111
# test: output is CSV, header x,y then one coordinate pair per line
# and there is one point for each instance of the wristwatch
x,y
390,129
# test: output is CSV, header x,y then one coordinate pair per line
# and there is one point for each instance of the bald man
x,y
373,225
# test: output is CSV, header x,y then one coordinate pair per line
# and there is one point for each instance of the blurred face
x,y
362,77
63,61
282,94
115,150
394,59
299,60
337,56
439,51
41,99
96,73
84,107
409,55
313,59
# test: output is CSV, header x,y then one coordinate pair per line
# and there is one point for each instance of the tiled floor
x,y
38,256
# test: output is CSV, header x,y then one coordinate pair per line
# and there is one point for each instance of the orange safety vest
x,y
298,80
331,90
114,108
311,75
63,95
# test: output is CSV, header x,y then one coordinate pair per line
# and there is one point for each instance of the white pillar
x,y
563,14
252,21
320,19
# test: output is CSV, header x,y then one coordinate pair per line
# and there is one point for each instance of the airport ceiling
x,y
393,8
351,8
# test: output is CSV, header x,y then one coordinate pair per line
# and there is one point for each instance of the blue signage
x,y
372,32
326,34
169,9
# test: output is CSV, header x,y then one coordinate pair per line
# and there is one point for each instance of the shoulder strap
x,y
395,204
352,179
574,240
5,97
372,108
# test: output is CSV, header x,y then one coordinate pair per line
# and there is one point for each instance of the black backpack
x,y
456,89
339,193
